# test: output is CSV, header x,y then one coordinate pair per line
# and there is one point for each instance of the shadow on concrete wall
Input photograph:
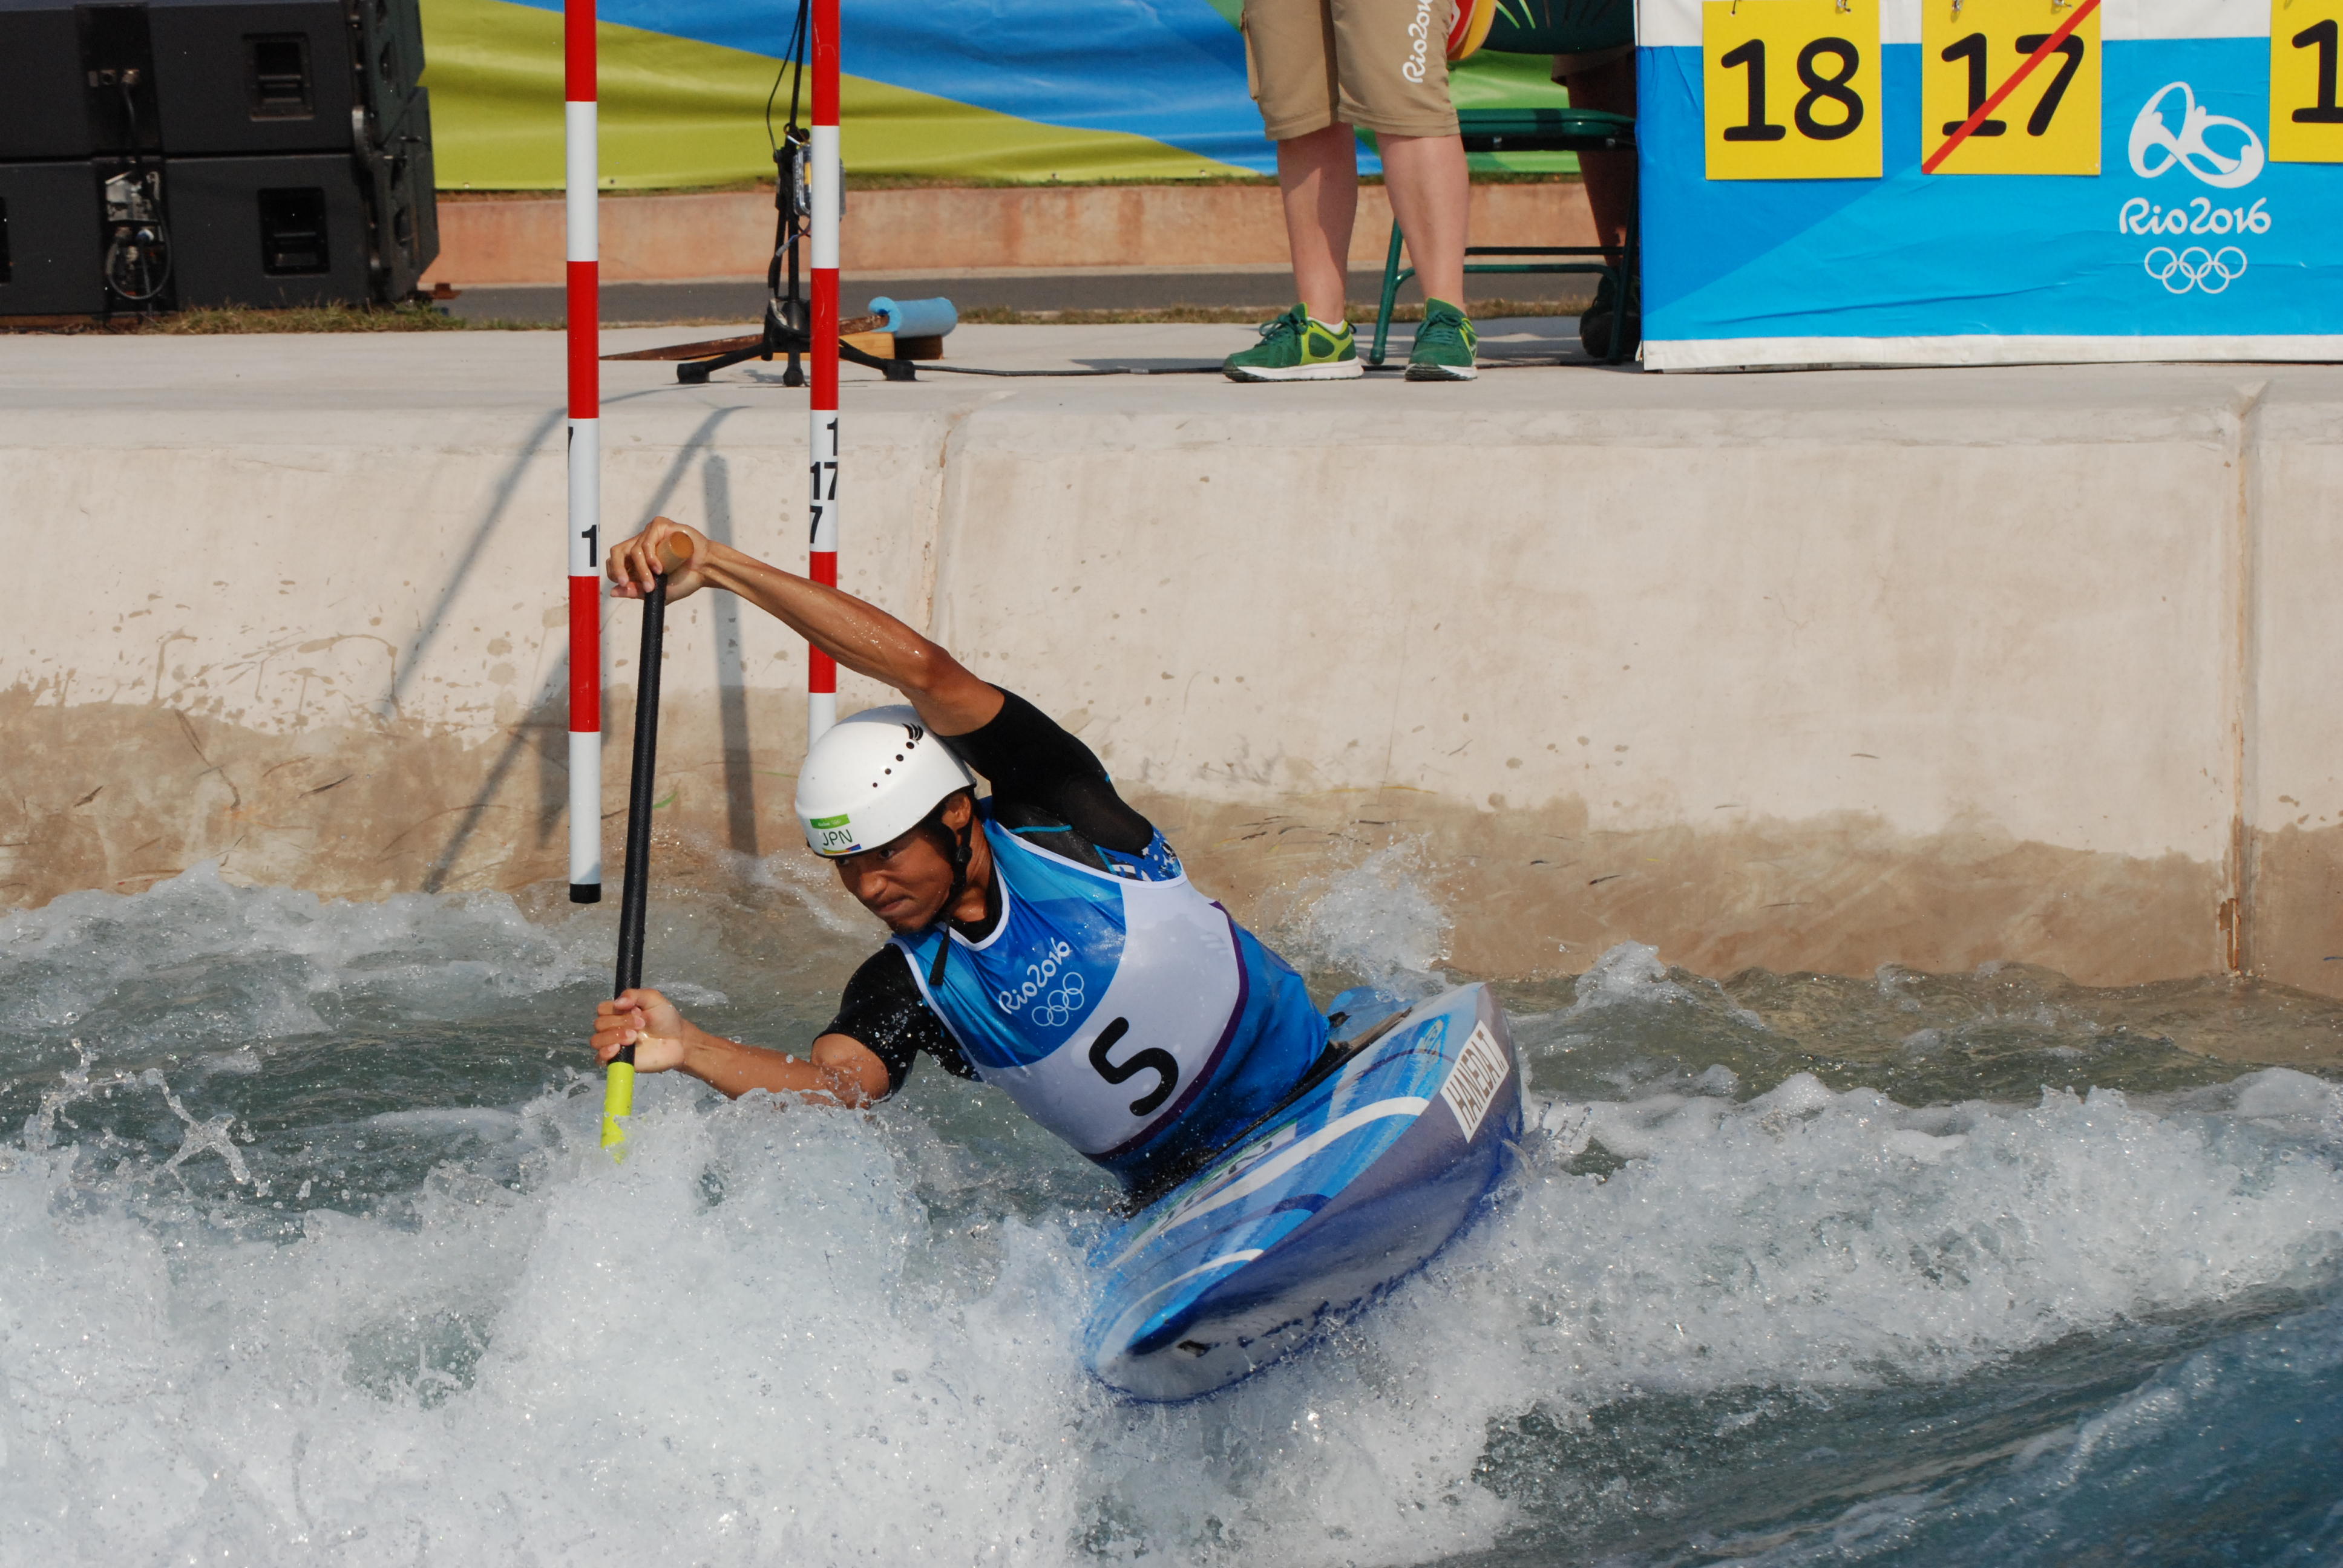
x,y
411,656
731,674
547,719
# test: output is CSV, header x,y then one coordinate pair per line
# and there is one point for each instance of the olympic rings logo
x,y
2151,135
1038,977
2196,267
1059,1008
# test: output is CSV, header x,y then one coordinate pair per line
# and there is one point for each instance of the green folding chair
x,y
1521,131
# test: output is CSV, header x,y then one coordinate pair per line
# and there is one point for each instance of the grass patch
x,y
222,319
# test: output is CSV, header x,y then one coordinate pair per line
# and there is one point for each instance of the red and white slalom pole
x,y
581,173
827,191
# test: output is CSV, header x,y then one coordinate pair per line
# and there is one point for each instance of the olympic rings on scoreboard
x,y
2195,267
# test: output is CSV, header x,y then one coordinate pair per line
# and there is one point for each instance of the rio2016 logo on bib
x,y
1054,991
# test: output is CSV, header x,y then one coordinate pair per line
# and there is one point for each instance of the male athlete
x,y
1046,939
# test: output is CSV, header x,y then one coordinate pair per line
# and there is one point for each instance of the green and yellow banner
x,y
985,90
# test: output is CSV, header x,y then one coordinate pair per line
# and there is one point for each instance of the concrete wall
x,y
730,233
1805,671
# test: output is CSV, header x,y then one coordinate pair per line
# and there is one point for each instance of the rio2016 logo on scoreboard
x,y
2174,131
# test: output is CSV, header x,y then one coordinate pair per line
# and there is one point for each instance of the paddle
x,y
618,1084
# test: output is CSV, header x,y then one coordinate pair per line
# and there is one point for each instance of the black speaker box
x,y
203,76
259,76
269,232
406,204
49,245
76,81
275,152
390,55
41,110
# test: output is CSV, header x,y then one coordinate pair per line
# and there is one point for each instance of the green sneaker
x,y
1297,347
1443,345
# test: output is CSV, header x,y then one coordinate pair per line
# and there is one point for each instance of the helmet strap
x,y
958,853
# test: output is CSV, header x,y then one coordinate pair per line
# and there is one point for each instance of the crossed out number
x,y
1971,50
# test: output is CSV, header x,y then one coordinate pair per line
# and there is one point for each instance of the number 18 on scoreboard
x,y
1792,89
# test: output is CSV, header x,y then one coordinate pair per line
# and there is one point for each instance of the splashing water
x,y
307,1252
1375,923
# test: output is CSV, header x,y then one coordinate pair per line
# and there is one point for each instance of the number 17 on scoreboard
x,y
1792,89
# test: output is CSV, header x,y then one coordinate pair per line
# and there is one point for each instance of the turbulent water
x,y
308,1255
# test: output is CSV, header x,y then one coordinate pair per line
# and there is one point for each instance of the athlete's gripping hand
x,y
646,1021
668,547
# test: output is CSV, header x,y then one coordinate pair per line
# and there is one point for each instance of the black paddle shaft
x,y
637,884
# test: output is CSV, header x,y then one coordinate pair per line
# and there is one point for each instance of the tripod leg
x,y
892,369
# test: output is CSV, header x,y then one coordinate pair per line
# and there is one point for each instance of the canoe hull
x,y
1340,1197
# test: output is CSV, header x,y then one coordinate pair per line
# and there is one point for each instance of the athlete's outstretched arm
x,y
839,1067
861,636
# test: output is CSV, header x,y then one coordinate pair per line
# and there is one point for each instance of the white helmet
x,y
873,778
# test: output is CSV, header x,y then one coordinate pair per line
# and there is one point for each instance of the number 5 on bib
x,y
1792,88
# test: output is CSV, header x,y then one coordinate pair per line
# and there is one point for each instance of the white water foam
x,y
1375,921
774,1334
204,963
1632,974
815,1370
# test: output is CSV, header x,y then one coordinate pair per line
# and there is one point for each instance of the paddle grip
x,y
618,1086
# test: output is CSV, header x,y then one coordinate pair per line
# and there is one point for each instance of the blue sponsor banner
x,y
2188,244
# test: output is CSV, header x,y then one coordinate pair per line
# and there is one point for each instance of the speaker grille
x,y
276,76
293,232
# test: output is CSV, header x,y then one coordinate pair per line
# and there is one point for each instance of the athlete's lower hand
x,y
646,1021
666,549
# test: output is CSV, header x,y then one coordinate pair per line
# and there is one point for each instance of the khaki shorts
x,y
1380,63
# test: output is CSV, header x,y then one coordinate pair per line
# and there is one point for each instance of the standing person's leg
x,y
1392,67
1605,79
1318,174
1290,61
1609,85
1431,196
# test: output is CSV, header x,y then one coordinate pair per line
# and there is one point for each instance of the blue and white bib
x,y
1123,1011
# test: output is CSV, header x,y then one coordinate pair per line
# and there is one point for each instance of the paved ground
x,y
1267,290
1533,364
1161,348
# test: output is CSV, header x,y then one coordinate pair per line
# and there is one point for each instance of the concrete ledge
x,y
1824,670
943,229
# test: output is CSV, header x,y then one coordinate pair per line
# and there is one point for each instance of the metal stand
x,y
792,341
789,315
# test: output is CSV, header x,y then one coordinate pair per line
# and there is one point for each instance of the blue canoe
x,y
1330,1201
